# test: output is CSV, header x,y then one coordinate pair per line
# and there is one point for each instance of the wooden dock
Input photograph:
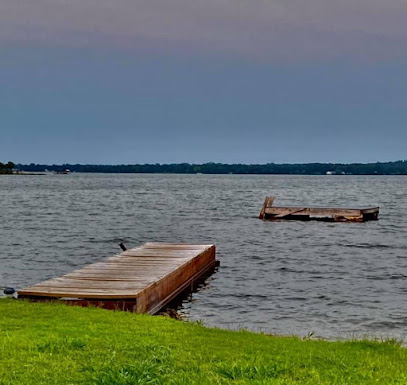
x,y
362,214
143,279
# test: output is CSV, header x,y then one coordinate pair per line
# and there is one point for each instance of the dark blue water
x,y
334,279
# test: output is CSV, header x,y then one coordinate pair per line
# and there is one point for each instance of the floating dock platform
x,y
143,279
363,214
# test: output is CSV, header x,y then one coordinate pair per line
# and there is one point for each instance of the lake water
x,y
333,279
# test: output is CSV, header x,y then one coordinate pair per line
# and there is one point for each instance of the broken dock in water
x,y
362,214
143,279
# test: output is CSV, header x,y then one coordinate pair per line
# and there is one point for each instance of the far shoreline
x,y
191,173
398,167
23,174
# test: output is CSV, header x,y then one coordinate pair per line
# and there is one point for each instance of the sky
x,y
232,81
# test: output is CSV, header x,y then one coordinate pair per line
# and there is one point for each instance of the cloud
x,y
267,29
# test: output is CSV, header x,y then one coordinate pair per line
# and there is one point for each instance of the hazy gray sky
x,y
134,81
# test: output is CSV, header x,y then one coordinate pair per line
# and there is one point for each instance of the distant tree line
x,y
7,168
383,168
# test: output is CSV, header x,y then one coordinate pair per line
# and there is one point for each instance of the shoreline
x,y
66,344
23,174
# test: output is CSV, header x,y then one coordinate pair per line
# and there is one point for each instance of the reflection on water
x,y
337,279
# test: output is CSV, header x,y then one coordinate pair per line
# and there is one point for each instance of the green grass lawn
x,y
58,344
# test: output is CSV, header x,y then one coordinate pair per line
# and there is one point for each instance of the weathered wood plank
x,y
291,212
313,211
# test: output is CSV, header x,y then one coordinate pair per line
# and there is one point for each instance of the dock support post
x,y
268,202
